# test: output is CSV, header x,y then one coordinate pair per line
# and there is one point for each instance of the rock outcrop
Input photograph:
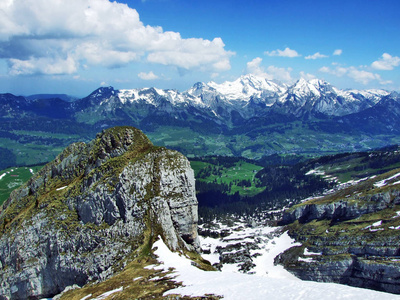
x,y
349,237
97,205
342,209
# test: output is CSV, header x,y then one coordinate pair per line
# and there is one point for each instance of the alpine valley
x,y
289,192
249,117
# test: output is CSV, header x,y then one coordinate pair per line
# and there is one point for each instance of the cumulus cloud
x,y
285,53
359,75
362,76
307,76
60,37
43,65
338,71
338,52
147,76
316,56
386,62
272,72
254,67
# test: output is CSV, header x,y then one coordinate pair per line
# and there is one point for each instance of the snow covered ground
x,y
266,282
384,182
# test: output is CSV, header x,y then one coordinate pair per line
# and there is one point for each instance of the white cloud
x,y
285,53
60,37
281,74
254,67
307,76
191,53
385,82
386,62
147,76
316,56
272,72
338,52
338,71
361,76
43,65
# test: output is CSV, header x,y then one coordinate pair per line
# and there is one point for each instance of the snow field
x,y
269,281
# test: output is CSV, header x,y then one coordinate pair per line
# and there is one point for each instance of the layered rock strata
x,y
97,205
350,237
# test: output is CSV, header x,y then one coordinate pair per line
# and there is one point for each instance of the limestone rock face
x,y
342,209
95,206
355,234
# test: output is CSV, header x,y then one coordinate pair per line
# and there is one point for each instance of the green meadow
x,y
12,178
238,176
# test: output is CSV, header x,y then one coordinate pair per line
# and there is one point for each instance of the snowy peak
x,y
249,96
240,90
154,96
102,92
312,88
247,87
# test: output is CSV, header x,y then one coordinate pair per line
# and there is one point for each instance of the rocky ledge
x,y
91,210
349,237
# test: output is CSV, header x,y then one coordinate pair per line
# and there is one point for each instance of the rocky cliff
x,y
92,209
350,237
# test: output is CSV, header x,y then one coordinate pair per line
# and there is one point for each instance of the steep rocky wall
x,y
92,209
342,209
352,235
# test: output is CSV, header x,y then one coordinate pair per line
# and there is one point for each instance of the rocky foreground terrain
x,y
91,211
102,219
354,233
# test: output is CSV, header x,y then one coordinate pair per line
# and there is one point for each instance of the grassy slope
x,y
296,138
14,178
139,280
240,171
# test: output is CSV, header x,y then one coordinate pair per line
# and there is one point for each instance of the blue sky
x,y
75,46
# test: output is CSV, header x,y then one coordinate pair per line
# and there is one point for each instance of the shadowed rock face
x,y
95,206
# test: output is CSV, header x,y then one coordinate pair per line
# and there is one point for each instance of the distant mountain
x,y
251,117
247,97
64,97
12,106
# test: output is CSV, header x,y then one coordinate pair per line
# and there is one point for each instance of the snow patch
x,y
243,286
384,182
105,295
315,172
307,252
307,260
376,224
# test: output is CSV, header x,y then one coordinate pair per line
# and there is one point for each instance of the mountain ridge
x,y
241,92
250,116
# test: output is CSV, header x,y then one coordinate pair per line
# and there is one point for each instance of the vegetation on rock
x,y
98,206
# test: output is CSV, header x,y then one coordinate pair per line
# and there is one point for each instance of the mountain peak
x,y
103,92
246,87
303,88
110,199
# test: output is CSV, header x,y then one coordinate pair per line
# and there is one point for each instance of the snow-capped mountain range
x,y
248,101
250,96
